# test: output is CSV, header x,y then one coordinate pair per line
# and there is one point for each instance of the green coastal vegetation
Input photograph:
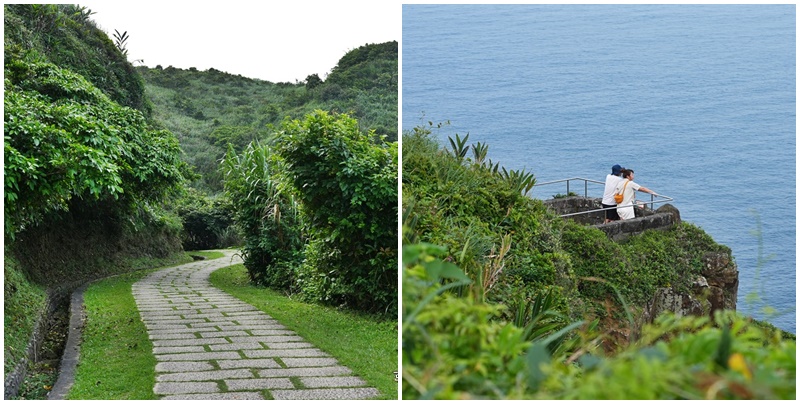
x,y
503,299
113,169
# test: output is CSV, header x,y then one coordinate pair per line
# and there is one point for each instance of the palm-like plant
x,y
519,180
119,41
459,146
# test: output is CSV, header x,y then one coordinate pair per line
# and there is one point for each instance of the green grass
x,y
366,345
210,255
116,361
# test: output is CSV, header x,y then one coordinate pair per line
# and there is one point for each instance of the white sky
x,y
275,41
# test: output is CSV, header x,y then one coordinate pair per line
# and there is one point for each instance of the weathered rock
x,y
723,280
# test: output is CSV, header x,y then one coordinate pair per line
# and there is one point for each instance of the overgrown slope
x,y
84,172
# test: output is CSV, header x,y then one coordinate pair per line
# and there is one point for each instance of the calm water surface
x,y
699,100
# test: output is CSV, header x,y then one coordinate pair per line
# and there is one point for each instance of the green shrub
x,y
65,140
346,183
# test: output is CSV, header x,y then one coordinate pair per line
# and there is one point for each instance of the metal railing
x,y
654,199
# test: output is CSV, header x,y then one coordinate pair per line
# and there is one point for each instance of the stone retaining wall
x,y
646,219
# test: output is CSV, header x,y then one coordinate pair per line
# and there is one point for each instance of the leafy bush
x,y
347,186
66,140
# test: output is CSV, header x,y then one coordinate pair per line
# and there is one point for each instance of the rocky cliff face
x,y
715,289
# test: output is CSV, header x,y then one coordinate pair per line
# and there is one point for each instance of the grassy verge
x,y
209,255
366,345
117,360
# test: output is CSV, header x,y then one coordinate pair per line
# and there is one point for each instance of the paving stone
x,y
258,384
341,381
273,332
251,318
218,396
289,345
213,334
177,349
181,388
269,338
173,335
248,363
321,371
152,317
280,353
325,394
309,362
199,356
236,346
202,376
184,342
181,327
163,367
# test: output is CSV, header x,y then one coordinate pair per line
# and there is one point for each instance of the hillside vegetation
x,y
504,299
207,110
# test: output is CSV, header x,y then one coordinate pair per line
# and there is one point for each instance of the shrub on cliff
x,y
457,347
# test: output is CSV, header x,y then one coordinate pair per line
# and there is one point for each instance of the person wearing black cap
x,y
608,194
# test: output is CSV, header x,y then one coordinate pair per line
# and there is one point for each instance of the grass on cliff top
x,y
362,343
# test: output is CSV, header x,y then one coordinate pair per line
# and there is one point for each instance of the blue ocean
x,y
699,100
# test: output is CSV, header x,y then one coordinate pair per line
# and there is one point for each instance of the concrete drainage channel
x,y
210,345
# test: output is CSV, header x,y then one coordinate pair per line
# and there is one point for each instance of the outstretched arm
x,y
645,189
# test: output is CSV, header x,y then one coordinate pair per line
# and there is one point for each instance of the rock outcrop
x,y
716,288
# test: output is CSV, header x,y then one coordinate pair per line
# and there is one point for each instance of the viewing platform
x,y
590,212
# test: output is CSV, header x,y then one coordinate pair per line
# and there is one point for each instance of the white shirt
x,y
628,196
611,186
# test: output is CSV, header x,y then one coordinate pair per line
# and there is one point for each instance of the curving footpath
x,y
210,345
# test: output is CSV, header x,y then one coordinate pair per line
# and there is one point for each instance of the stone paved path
x,y
210,345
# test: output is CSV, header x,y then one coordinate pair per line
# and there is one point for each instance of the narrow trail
x,y
210,345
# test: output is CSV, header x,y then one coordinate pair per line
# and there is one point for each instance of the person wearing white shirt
x,y
628,189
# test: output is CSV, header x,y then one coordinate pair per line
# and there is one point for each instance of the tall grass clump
x,y
267,215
